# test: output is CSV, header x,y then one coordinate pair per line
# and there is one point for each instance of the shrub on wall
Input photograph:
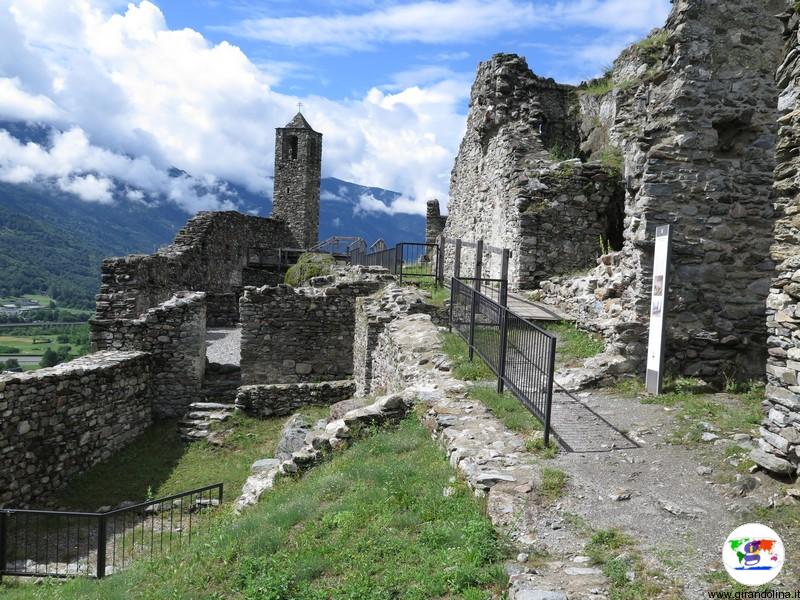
x,y
309,265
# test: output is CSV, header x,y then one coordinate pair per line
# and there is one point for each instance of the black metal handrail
x,y
45,543
520,353
409,261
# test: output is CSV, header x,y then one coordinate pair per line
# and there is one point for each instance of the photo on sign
x,y
656,308
658,285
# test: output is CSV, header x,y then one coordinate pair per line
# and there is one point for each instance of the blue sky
x,y
137,87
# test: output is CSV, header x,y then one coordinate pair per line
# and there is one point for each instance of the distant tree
x,y
12,364
49,359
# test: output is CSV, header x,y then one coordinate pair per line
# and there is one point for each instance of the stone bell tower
x,y
298,161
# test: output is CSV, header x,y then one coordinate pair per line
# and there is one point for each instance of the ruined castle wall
x,y
207,255
434,222
693,112
508,187
299,335
265,401
373,313
58,422
586,197
174,334
779,446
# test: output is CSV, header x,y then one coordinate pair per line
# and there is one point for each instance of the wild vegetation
x,y
371,523
310,264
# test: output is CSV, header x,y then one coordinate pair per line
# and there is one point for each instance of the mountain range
x,y
52,241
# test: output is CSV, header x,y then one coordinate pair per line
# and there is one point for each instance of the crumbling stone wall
x,y
692,113
174,334
58,422
510,186
284,398
208,255
373,313
575,210
434,222
298,335
779,446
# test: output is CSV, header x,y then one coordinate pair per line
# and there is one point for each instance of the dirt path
x,y
677,510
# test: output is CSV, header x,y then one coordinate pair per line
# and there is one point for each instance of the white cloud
x,y
89,188
15,103
137,98
426,22
443,22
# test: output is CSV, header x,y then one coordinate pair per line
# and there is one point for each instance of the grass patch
x,y
506,408
158,463
622,564
554,481
598,87
612,160
463,368
371,523
731,413
536,446
652,46
74,336
573,343
310,264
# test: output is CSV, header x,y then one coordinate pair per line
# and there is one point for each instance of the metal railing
x,y
409,261
521,354
44,543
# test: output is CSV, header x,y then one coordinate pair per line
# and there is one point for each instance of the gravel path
x,y
224,346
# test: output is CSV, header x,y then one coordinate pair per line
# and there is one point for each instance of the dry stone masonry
x,y
434,222
299,335
174,334
372,315
58,422
281,399
779,446
209,254
689,119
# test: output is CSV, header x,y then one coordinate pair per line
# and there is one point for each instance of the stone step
x,y
216,415
211,406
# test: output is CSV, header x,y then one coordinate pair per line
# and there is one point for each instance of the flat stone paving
x,y
224,345
535,311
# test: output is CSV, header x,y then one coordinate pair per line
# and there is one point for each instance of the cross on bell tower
x,y
298,163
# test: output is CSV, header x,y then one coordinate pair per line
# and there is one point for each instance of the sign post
x,y
658,310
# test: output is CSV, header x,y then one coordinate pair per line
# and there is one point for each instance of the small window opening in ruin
x,y
734,135
290,148
615,219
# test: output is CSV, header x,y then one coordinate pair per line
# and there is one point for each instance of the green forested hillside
x,y
53,243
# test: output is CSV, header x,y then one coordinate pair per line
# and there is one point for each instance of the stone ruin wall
x,y
779,446
276,400
694,117
434,222
299,335
373,313
209,254
56,423
174,334
510,187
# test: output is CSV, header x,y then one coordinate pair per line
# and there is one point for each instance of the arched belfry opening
x,y
298,162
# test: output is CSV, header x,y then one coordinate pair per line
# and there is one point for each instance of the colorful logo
x,y
753,554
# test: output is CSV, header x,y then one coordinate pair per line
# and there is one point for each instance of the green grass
x,y
44,301
463,368
652,46
75,336
160,462
537,447
574,344
372,523
598,87
506,408
310,264
737,411
616,554
554,481
612,160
